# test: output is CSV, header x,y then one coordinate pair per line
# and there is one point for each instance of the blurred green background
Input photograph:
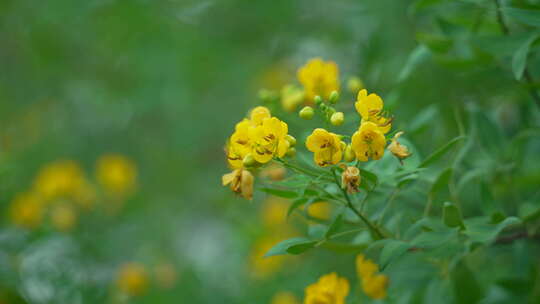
x,y
162,84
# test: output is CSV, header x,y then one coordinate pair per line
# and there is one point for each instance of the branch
x,y
371,227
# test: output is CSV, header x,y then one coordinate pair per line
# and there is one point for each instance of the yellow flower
x,y
284,297
355,84
350,179
239,144
262,267
27,210
368,142
365,267
132,279
370,107
63,217
319,210
326,147
291,97
269,140
258,114
319,78
274,172
330,289
399,150
116,174
60,179
373,284
241,182
274,212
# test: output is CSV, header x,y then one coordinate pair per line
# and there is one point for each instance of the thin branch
x,y
374,229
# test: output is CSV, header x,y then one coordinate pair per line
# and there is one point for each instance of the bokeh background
x,y
126,105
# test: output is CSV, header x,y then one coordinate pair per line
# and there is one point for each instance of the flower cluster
x,y
256,140
368,142
61,190
373,283
319,78
330,289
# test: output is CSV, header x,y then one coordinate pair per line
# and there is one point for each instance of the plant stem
x,y
388,204
371,227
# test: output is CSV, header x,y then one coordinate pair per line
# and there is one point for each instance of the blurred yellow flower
x,y
166,275
284,297
116,174
291,97
319,210
355,84
373,284
27,210
330,289
132,279
269,140
61,179
319,78
274,212
274,172
326,146
365,267
262,267
63,217
370,107
368,142
240,181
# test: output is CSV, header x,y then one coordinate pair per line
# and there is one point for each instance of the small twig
x,y
374,229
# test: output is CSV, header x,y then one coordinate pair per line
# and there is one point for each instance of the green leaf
x,y
436,43
440,152
292,246
466,286
279,192
295,204
420,54
334,226
529,17
480,229
423,119
442,181
452,216
369,177
519,60
392,250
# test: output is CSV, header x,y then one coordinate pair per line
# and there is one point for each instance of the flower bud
x,y
318,100
355,84
334,97
307,112
349,154
337,119
249,161
291,152
291,140
267,96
